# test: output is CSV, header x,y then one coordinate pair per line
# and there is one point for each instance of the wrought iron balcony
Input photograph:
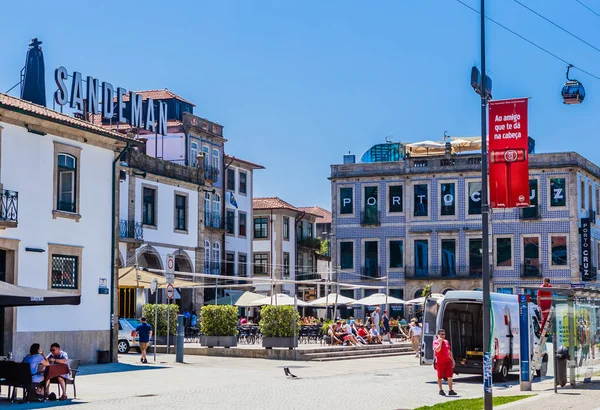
x,y
213,220
444,272
370,218
211,173
9,208
307,275
66,206
531,271
370,272
131,230
533,212
212,268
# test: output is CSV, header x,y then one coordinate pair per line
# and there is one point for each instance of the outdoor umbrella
x,y
141,278
247,298
330,300
226,300
420,301
13,295
379,299
279,299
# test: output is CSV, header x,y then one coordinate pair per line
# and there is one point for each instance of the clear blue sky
x,y
299,83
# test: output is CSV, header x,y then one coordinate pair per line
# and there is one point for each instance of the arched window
x,y
67,167
194,153
216,257
215,159
418,293
206,257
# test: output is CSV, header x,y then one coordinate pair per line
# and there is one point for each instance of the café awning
x,y
140,278
13,295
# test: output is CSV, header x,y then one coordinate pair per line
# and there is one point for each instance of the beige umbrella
x,y
247,298
420,301
331,300
139,278
379,299
279,299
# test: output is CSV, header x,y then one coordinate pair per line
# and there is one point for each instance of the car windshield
x,y
133,322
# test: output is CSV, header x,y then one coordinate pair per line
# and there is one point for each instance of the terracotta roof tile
x,y
13,103
158,95
272,203
323,214
243,161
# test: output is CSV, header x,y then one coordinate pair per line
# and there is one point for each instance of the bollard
x,y
180,335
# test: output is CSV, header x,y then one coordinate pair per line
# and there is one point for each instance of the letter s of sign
x,y
61,95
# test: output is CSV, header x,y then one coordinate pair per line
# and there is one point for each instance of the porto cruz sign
x,y
103,94
587,272
508,158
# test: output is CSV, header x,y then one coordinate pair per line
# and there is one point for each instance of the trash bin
x,y
103,356
562,356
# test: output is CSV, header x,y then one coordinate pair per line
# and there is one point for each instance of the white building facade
x,y
56,226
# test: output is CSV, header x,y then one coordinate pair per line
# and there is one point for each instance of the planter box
x,y
162,340
271,342
221,341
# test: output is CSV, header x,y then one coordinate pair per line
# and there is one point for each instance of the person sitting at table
x,y
57,356
332,335
375,334
35,358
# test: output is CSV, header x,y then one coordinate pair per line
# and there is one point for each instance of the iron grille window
x,y
231,179
64,272
180,217
243,182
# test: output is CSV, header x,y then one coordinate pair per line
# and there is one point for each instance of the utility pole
x,y
485,209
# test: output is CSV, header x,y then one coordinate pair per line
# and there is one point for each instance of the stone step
x,y
358,352
356,348
334,358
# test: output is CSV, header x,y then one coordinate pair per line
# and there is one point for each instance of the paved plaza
x,y
237,383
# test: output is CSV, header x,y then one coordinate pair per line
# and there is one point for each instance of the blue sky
x,y
299,83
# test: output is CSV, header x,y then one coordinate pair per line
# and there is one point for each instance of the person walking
x,y
444,362
386,326
415,336
144,332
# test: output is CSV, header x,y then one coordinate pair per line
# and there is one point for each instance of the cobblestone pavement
x,y
232,383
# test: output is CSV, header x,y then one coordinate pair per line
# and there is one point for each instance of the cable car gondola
x,y
573,91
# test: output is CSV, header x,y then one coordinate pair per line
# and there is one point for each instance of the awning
x,y
247,298
140,278
13,295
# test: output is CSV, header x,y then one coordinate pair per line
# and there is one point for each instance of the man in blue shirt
x,y
144,332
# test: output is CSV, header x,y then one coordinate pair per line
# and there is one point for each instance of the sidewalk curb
x,y
519,403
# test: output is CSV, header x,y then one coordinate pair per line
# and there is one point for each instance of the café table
x,y
55,370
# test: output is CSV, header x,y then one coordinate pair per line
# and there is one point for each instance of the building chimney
x,y
33,86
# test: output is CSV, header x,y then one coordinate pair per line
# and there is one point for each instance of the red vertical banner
x,y
508,156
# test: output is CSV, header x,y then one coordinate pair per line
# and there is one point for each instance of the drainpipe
x,y
113,240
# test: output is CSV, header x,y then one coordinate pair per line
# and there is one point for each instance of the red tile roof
x,y
158,95
272,203
16,104
252,165
323,214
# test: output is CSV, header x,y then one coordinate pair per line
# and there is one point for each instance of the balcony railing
x,y
533,212
370,218
213,220
307,275
66,206
211,173
313,243
370,272
9,208
212,268
444,272
131,230
531,271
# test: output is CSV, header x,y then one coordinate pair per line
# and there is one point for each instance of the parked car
x,y
127,338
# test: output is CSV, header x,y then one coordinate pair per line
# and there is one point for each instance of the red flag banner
x,y
508,156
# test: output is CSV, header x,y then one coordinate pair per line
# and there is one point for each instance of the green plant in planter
x,y
161,328
219,320
278,321
325,327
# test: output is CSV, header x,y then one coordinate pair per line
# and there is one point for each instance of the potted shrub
x,y
277,326
160,330
219,326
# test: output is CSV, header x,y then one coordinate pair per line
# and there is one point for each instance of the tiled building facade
x,y
417,221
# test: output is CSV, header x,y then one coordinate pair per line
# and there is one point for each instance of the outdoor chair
x,y
21,378
74,366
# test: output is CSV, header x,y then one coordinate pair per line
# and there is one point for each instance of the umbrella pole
x,y
216,291
336,301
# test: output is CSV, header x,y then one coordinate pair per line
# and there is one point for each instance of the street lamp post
x,y
485,209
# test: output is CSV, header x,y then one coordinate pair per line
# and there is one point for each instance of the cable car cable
x,y
530,42
557,25
588,8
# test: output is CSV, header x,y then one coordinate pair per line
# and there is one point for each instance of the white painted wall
x,y
164,232
236,243
174,147
27,166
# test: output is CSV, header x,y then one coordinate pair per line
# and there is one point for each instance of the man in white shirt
x,y
376,319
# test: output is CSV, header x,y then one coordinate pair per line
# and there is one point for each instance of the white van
x,y
460,314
